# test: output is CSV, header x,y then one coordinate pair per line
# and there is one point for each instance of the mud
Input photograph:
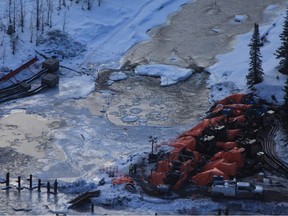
x,y
192,39
202,30
136,101
26,142
140,100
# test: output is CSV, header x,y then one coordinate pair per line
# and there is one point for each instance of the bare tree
x,y
89,4
10,29
37,14
2,26
22,15
49,4
14,42
31,28
64,22
2,42
37,38
4,54
14,15
9,11
42,20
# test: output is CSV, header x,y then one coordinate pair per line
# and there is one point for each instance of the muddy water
x,y
27,134
202,30
138,102
26,145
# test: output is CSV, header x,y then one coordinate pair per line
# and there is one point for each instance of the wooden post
x,y
39,185
92,207
30,182
48,187
55,186
7,179
19,182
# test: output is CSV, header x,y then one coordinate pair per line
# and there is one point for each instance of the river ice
x,y
78,129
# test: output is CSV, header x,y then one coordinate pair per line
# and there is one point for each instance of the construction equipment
x,y
232,188
225,139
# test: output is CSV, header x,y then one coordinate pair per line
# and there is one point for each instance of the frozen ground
x,y
82,127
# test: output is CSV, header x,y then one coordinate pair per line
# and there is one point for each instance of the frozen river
x,y
55,135
69,133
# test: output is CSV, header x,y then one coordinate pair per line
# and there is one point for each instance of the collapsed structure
x,y
222,144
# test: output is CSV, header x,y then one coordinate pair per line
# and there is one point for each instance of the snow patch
x,y
240,18
73,87
228,75
169,74
117,76
77,187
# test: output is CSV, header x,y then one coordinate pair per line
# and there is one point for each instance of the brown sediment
x,y
28,134
202,30
140,100
192,38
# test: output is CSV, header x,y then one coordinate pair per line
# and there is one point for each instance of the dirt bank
x,y
202,30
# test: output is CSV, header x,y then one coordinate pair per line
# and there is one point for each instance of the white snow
x,y
99,33
169,74
117,76
229,74
75,88
240,18
103,35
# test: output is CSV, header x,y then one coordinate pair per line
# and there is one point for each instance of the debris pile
x,y
224,143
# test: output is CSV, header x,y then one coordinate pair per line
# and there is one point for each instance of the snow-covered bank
x,y
85,40
228,75
106,31
97,40
128,21
202,30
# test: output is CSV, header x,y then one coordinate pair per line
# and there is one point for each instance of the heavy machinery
x,y
232,188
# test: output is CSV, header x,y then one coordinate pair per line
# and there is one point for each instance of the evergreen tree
x,y
286,94
282,52
255,74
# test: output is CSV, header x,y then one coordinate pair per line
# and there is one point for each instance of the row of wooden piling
x,y
19,187
49,188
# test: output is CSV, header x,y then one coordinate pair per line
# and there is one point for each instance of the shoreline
x,y
180,41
